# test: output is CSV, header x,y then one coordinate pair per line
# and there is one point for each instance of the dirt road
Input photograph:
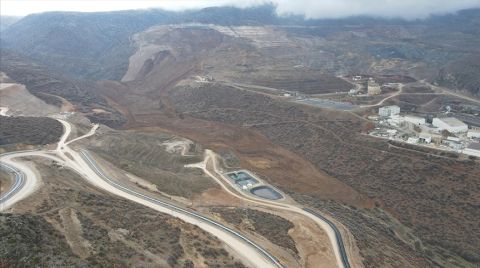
x,y
400,90
211,158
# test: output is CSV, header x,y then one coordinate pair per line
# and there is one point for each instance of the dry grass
x,y
145,156
272,227
119,233
433,196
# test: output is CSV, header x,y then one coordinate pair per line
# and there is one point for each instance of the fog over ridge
x,y
311,9
406,9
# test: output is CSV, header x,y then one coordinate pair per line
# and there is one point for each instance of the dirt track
x,y
209,166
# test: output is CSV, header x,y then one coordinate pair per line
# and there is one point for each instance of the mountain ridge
x,y
97,45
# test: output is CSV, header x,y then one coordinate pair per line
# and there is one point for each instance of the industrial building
x,y
450,124
389,110
473,133
425,138
472,149
242,179
395,120
416,120
455,145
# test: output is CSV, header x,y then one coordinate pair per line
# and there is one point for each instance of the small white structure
x,y
352,91
425,138
473,133
473,149
389,110
455,139
287,95
416,120
451,124
204,79
373,88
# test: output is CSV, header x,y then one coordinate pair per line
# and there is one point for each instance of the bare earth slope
x,y
426,204
53,87
367,165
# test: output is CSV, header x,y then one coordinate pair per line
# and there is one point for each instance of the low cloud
x,y
312,9
407,9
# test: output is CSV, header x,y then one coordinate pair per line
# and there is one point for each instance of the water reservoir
x,y
266,192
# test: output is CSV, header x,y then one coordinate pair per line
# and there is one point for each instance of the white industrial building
x,y
472,149
473,133
455,145
451,124
416,120
389,110
395,120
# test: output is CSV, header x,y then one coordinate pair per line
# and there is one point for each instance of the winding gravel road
x,y
330,229
19,182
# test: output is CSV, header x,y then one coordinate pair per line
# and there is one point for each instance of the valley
x,y
229,137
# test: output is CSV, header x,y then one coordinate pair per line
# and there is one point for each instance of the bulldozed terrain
x,y
156,158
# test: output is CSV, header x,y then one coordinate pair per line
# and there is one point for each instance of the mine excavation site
x,y
239,137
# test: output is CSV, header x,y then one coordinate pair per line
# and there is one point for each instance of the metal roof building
x,y
389,110
472,149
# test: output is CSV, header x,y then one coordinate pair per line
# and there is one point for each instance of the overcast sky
x,y
409,9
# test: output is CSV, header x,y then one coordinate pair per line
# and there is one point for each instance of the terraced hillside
x,y
304,81
420,48
156,158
